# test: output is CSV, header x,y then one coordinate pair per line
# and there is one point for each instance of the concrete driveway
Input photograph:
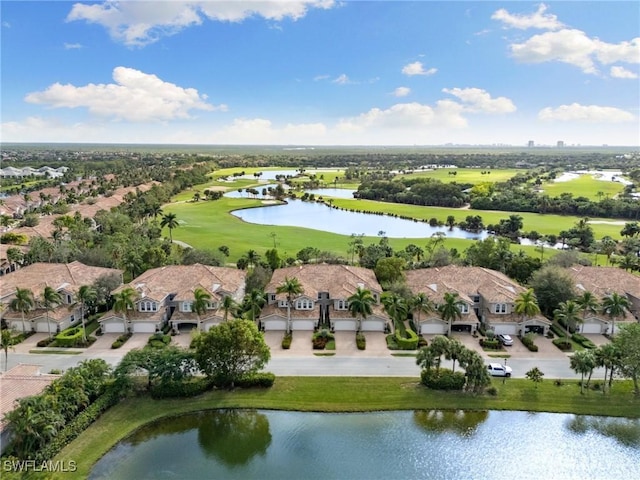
x,y
300,343
103,342
376,345
137,340
182,340
346,344
29,343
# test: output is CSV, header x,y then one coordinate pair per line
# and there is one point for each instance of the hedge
x,y
492,344
70,337
120,340
582,340
528,342
181,389
361,341
558,330
286,341
443,379
562,344
410,342
259,379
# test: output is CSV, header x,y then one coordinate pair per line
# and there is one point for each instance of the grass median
x,y
346,394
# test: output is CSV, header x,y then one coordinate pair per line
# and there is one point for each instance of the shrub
x,y
361,341
563,324
582,340
116,344
558,383
527,341
321,338
70,337
159,340
493,391
181,389
120,340
286,341
392,344
562,344
45,342
259,379
408,342
491,344
558,330
442,379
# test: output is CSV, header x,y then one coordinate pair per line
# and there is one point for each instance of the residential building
x,y
324,299
64,278
166,295
486,296
603,281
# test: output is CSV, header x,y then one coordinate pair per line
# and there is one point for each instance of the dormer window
x,y
282,303
342,305
147,306
464,308
304,304
500,308
185,306
69,299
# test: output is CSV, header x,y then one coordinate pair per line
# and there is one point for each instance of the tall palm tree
x,y
23,302
5,344
615,306
588,303
420,303
170,221
567,312
526,305
361,304
290,286
450,309
50,299
252,258
86,294
124,300
397,309
254,301
228,305
201,300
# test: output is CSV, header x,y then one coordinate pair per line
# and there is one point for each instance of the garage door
x,y
505,329
207,326
344,325
145,327
301,325
591,327
113,327
373,326
42,327
276,324
433,329
17,325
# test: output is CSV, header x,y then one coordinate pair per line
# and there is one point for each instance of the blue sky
x,y
321,72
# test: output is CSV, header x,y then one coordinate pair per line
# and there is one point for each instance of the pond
x,y
241,444
319,216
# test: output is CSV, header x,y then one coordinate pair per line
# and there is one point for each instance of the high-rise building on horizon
x,y
560,144
530,144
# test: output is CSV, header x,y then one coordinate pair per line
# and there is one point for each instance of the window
x,y
464,308
304,304
501,308
282,303
186,307
272,297
148,306
69,298
476,299
342,305
212,305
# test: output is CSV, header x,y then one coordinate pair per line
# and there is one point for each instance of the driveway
x,y
103,342
137,340
376,345
29,343
182,340
597,339
346,344
300,343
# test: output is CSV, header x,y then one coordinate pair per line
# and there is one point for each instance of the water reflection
x,y
464,423
624,430
233,437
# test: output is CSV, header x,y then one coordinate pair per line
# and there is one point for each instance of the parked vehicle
x,y
499,370
506,340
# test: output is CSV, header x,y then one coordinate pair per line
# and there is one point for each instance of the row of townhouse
x,y
165,296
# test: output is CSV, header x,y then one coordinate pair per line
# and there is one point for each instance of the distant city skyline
x,y
321,72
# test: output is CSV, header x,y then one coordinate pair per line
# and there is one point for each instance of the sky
x,y
321,72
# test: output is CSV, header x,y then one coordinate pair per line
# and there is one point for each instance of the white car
x,y
506,340
499,370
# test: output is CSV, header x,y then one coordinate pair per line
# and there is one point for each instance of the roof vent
x,y
434,287
215,287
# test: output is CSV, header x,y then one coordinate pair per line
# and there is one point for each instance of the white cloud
x,y
139,23
585,113
539,19
342,80
318,78
621,72
73,46
575,48
401,92
417,68
262,131
6,24
135,96
477,100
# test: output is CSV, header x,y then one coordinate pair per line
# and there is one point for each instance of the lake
x,y
319,216
257,444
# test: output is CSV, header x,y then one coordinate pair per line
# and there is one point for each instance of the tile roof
x,y
341,281
602,281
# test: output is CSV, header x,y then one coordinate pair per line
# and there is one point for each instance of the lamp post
x,y
504,379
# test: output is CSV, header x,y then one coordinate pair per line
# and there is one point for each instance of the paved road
x,y
387,366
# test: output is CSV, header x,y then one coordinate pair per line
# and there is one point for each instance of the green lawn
x,y
465,175
345,394
584,186
208,225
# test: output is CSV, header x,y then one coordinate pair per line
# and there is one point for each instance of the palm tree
x,y
607,356
583,362
420,303
567,313
86,294
5,344
50,299
588,303
252,258
23,303
200,303
526,304
290,286
228,305
450,309
615,306
397,308
361,304
170,221
254,301
124,300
